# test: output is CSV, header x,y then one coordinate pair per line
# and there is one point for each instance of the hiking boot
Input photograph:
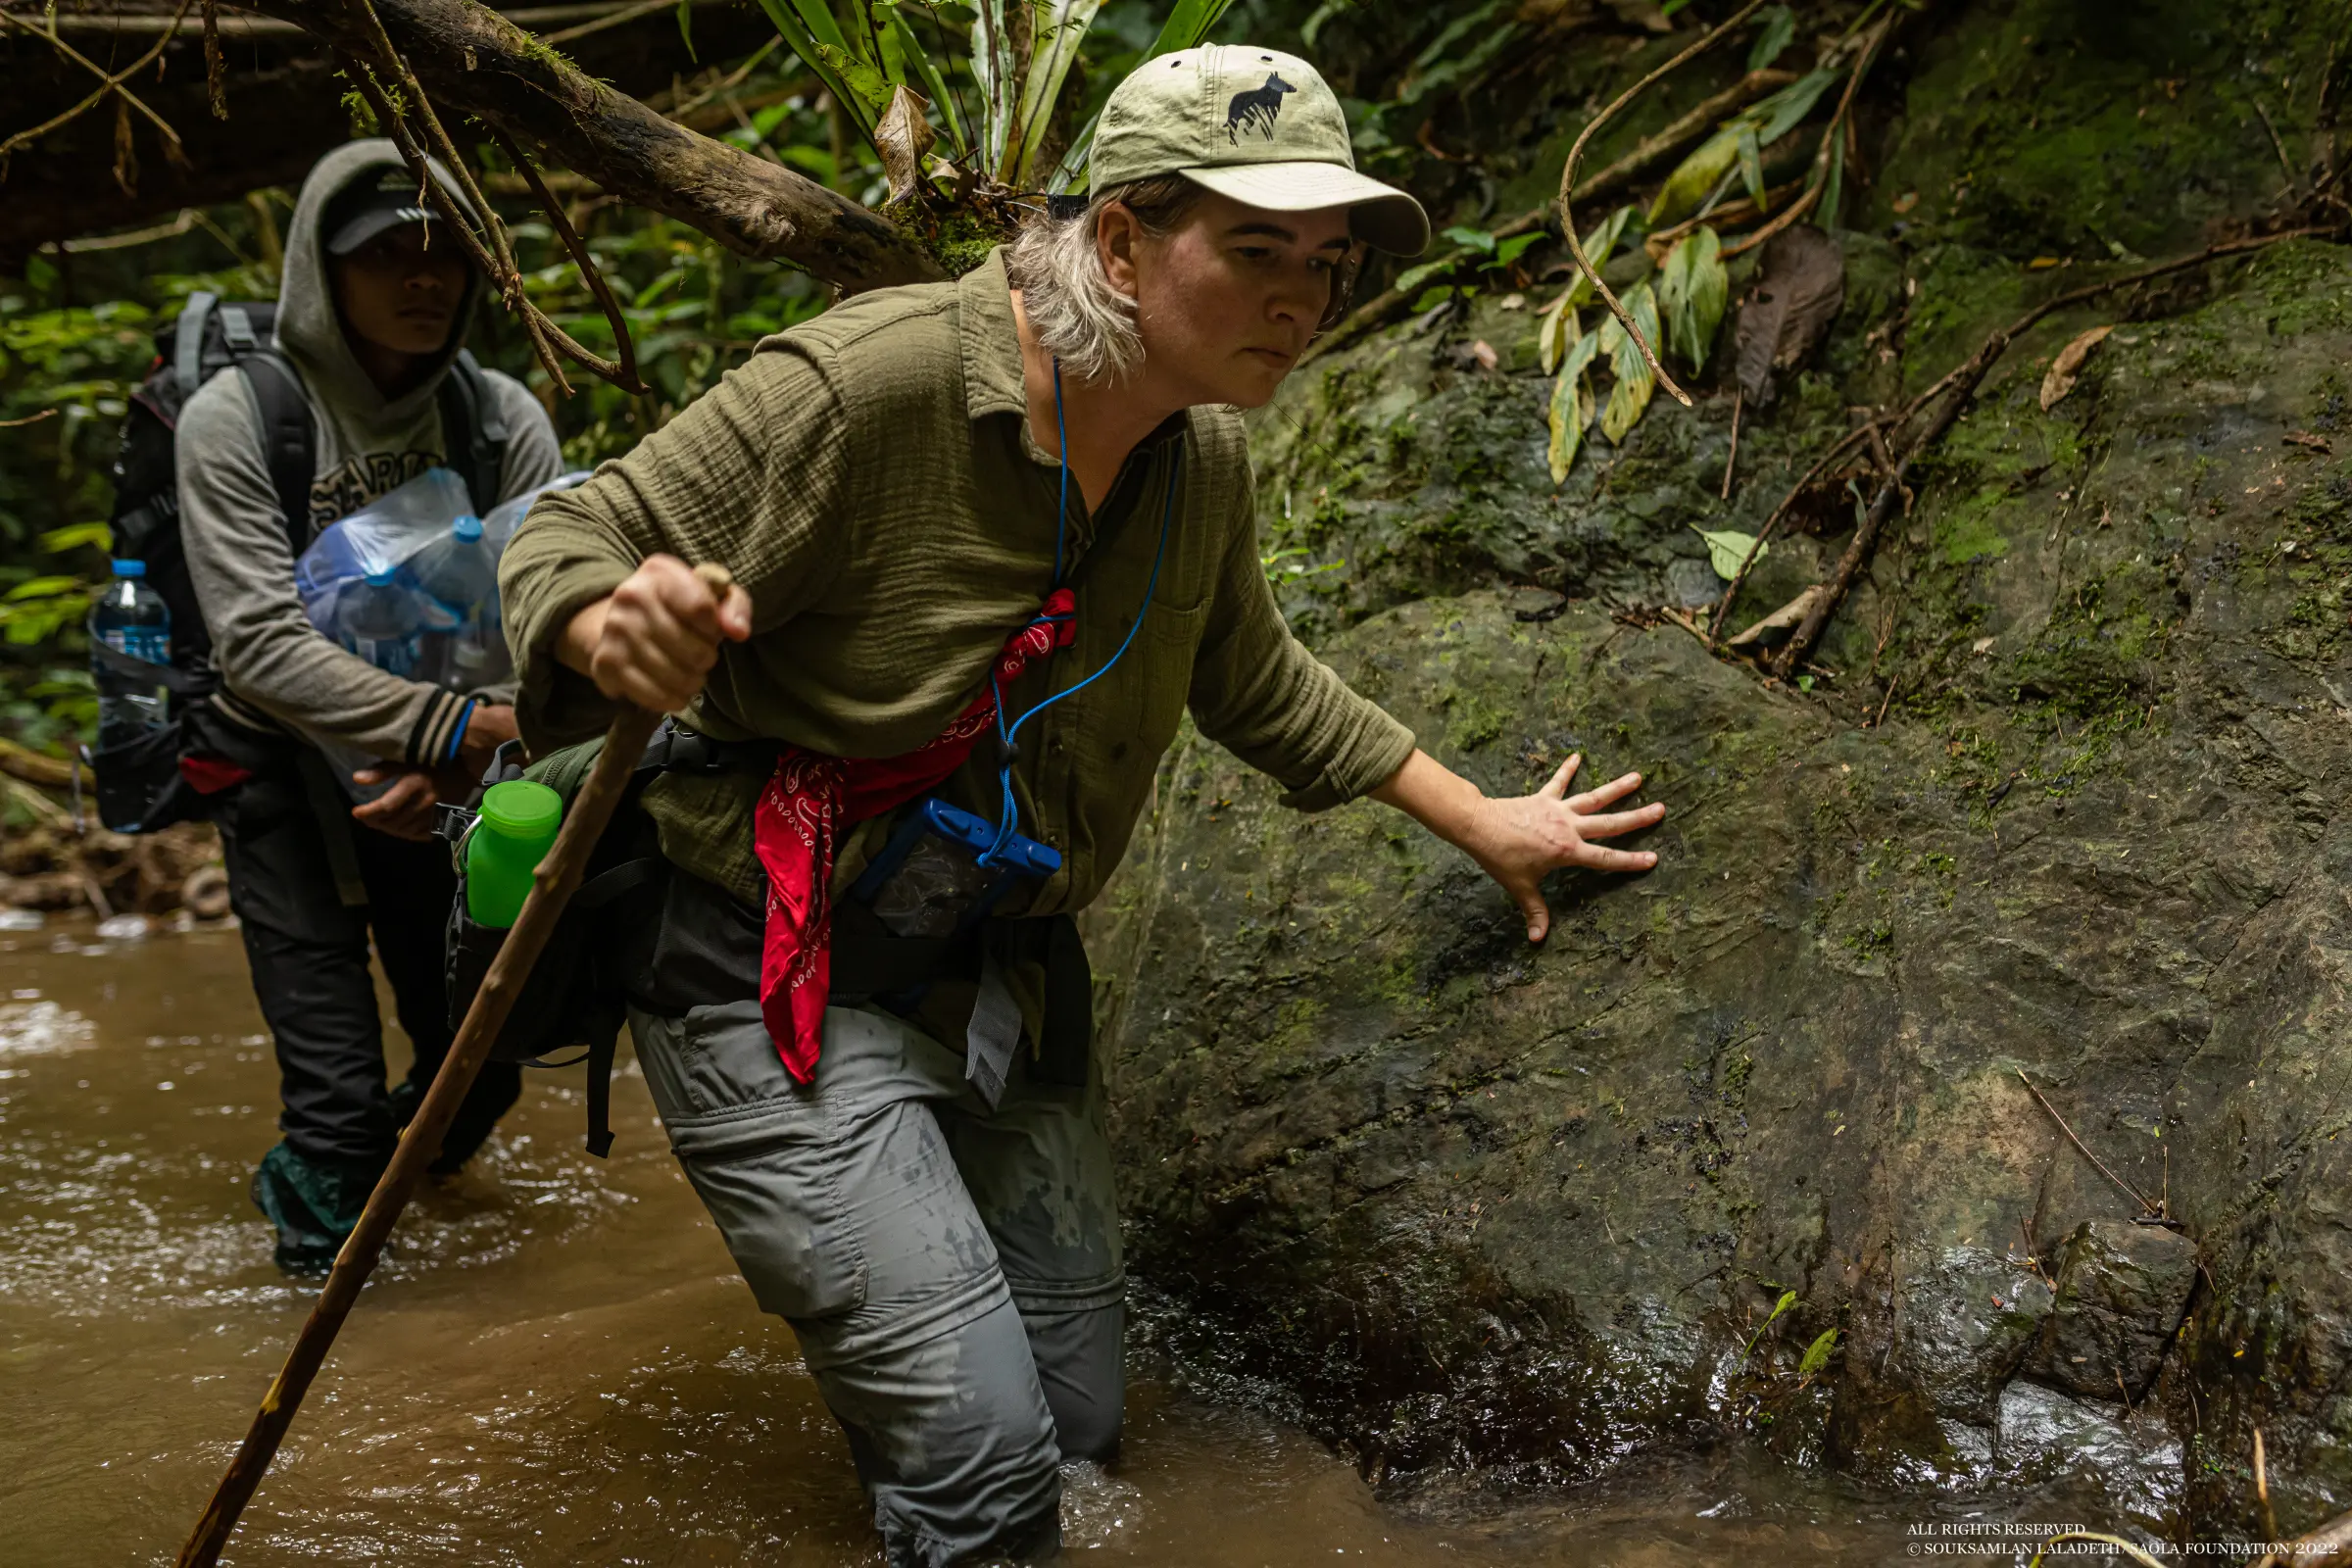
x,y
314,1204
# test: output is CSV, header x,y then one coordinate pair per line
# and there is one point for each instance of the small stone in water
x,y
22,919
124,928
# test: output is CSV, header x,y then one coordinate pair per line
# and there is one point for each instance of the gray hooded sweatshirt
x,y
276,669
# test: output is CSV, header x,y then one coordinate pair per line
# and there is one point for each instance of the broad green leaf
x,y
1694,287
1777,115
1752,165
1696,175
44,588
1780,27
1817,1354
1787,1300
992,71
1571,408
1475,239
1634,382
1728,550
94,534
1056,29
1599,245
1431,299
1510,250
1412,277
1555,329
792,24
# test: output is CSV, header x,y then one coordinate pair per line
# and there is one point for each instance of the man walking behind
x,y
989,539
372,320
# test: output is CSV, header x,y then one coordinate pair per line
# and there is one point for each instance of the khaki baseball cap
x,y
1256,124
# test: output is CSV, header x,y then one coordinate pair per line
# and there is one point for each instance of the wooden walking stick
x,y
552,887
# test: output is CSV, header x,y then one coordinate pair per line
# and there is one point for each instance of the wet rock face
x,y
1478,1202
2121,1292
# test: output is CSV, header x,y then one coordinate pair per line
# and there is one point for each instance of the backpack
x,y
139,785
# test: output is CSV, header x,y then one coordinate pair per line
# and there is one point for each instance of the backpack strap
x,y
187,342
289,441
473,432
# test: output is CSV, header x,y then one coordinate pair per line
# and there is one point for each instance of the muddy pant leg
x,y
308,958
1038,1171
410,889
845,1212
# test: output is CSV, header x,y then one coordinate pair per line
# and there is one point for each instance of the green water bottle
x,y
519,819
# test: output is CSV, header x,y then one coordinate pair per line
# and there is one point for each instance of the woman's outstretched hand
x,y
1520,840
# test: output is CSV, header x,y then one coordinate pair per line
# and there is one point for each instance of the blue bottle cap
x,y
380,579
467,529
130,568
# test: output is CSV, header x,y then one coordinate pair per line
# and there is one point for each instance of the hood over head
x,y
310,331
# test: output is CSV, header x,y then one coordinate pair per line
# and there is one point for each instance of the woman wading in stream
x,y
991,538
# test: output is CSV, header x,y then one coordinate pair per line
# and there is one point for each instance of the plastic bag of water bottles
x,y
409,581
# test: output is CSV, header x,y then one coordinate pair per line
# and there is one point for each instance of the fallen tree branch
x,y
2147,1205
1576,155
479,63
1723,606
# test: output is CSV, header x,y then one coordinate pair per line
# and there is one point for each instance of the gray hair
x,y
1078,316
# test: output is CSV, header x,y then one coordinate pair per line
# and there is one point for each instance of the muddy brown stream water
x,y
557,1364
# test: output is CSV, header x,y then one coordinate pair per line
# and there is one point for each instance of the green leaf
x,y
1780,27
1696,175
1510,250
1695,286
96,536
686,29
1056,30
1727,550
1817,1354
1475,239
1599,246
1777,115
792,22
1555,329
1412,277
1571,408
1787,1300
44,588
1752,165
1431,299
1634,382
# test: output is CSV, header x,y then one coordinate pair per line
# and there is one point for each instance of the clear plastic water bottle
x,y
132,619
458,574
380,619
459,569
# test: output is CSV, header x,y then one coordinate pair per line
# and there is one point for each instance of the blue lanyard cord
x,y
1009,809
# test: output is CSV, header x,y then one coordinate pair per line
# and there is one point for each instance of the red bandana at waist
x,y
813,798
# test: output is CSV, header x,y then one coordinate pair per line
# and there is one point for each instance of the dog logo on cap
x,y
1257,109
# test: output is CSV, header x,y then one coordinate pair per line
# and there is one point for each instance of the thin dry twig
x,y
2143,1199
1723,606
1819,178
624,373
1576,155
1730,458
30,419
108,82
547,338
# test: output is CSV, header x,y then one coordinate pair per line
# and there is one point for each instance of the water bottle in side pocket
x,y
132,619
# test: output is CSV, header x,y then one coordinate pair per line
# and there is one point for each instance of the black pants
x,y
308,954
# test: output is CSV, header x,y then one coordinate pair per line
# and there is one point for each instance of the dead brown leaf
x,y
2060,380
2304,438
903,135
1788,614
1798,291
1483,353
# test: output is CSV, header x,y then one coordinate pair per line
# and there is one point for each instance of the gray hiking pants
x,y
952,1273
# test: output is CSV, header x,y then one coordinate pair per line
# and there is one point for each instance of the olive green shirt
x,y
870,479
